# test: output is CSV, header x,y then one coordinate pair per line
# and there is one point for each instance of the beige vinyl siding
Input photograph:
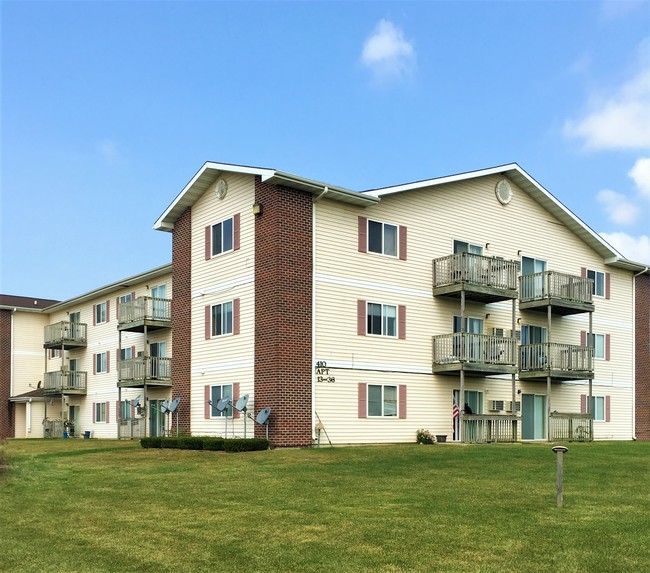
x,y
223,278
467,211
28,355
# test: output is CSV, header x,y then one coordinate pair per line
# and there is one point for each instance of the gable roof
x,y
210,172
25,302
525,182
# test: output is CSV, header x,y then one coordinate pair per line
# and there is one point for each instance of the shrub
x,y
191,443
424,437
151,442
213,444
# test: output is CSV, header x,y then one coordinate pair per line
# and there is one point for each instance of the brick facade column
x,y
642,356
283,313
6,410
182,318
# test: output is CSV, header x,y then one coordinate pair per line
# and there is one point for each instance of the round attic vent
x,y
503,191
221,189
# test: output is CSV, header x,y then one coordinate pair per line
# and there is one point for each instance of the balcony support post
x,y
591,352
514,376
146,407
461,392
549,316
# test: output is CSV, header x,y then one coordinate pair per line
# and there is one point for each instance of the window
x,y
126,353
101,312
126,298
531,334
382,319
217,393
222,237
598,343
75,317
600,407
463,247
382,400
101,363
598,288
125,410
222,319
55,353
382,238
100,412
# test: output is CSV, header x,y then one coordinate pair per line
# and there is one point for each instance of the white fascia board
x,y
166,221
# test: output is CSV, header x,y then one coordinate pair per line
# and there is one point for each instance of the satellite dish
x,y
223,404
163,408
172,407
136,402
263,416
241,403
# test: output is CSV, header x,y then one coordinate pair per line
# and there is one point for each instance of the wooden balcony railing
x,y
145,308
554,285
131,428
65,381
556,357
475,269
483,429
476,348
571,427
66,333
146,368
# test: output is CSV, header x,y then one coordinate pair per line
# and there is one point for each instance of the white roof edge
x,y
114,286
161,225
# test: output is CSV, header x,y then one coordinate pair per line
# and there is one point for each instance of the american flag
x,y
455,411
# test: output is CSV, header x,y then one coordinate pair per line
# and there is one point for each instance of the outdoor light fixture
x,y
257,208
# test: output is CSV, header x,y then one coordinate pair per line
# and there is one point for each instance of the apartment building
x,y
476,306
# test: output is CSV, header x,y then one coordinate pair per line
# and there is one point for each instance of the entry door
x,y
158,367
73,417
156,419
533,288
533,417
472,326
159,292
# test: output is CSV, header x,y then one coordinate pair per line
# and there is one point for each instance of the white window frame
x,y
371,223
220,228
391,412
126,353
385,320
594,276
126,298
598,404
594,344
100,412
469,246
100,313
125,410
101,363
55,353
214,413
225,324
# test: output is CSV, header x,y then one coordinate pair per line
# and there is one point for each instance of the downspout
x,y
634,351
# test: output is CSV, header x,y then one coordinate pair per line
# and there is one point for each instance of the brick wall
x,y
283,313
6,422
642,356
182,317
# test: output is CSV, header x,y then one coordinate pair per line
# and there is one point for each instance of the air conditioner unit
x,y
515,334
65,369
500,332
509,406
496,405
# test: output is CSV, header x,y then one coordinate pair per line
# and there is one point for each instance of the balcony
x,y
145,311
564,294
65,382
475,354
482,279
571,427
65,334
150,370
485,429
559,361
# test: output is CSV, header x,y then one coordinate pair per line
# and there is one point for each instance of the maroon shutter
x,y
117,409
608,416
94,363
94,315
583,403
235,316
235,397
363,235
363,400
207,407
607,347
402,401
133,351
207,322
236,232
132,410
361,317
94,412
208,242
608,283
583,338
402,243
108,311
108,412
108,361
583,272
401,322
117,307
133,295
118,357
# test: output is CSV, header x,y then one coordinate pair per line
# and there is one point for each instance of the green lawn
x,y
102,505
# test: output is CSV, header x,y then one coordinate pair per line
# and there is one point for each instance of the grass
x,y
102,505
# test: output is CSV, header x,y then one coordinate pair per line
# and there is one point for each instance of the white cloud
x,y
640,173
634,248
387,53
619,122
618,208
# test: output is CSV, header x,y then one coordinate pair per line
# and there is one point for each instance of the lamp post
x,y
559,451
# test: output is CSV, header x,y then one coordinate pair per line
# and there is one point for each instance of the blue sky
x,y
109,108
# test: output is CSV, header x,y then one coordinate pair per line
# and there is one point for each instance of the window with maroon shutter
x,y
601,282
223,237
222,319
363,234
378,319
363,400
599,342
